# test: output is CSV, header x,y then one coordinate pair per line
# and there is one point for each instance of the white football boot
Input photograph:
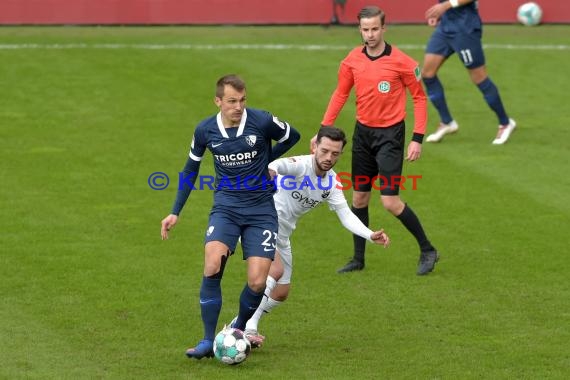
x,y
504,132
442,130
255,339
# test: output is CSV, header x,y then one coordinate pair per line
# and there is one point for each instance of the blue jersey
x,y
463,19
241,157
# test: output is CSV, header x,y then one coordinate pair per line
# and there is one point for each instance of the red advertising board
x,y
126,12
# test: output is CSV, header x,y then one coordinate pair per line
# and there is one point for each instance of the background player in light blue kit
x,y
459,30
240,140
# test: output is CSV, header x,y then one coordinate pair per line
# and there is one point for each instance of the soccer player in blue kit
x,y
458,29
240,140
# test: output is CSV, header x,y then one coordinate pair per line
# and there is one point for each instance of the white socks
x,y
267,304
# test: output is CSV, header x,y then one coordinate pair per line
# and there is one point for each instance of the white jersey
x,y
299,189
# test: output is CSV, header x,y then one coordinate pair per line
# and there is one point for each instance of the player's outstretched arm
x,y
380,238
355,225
166,224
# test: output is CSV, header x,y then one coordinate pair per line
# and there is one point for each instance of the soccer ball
x,y
231,346
529,14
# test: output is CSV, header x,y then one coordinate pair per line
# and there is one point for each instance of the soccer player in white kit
x,y
303,183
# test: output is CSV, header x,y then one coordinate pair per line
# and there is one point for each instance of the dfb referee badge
x,y
384,87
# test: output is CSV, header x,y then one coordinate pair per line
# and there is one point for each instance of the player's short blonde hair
x,y
372,11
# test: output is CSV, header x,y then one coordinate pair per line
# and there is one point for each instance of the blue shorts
x,y
468,46
257,226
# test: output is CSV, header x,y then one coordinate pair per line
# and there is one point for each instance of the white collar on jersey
x,y
223,129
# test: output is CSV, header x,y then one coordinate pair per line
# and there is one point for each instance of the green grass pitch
x,y
89,291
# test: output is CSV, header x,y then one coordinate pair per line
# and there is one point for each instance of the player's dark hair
x,y
372,11
333,133
230,80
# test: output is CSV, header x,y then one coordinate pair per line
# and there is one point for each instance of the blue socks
x,y
437,97
210,305
493,99
487,87
248,303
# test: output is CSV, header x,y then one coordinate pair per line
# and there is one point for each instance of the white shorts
x,y
284,250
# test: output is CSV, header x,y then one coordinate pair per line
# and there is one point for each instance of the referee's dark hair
x,y
333,133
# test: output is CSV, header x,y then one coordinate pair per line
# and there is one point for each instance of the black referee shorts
x,y
377,158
